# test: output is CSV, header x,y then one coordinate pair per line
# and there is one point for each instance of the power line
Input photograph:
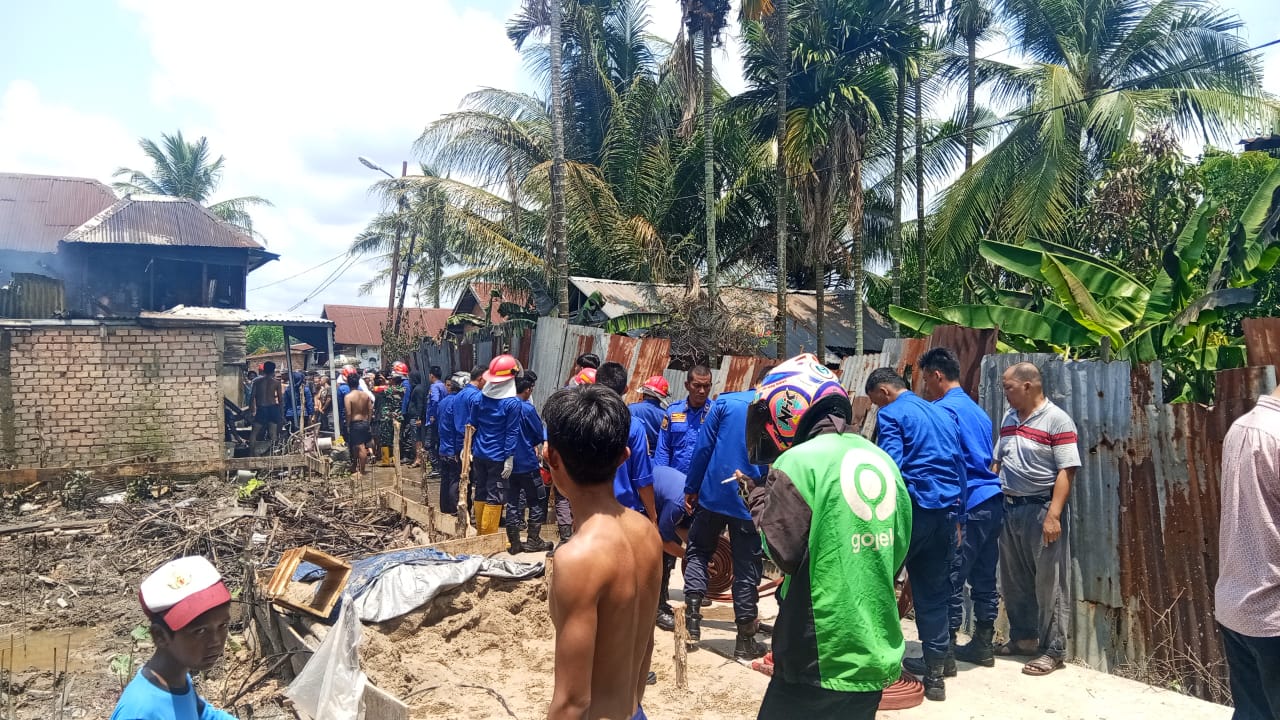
x,y
300,273
324,284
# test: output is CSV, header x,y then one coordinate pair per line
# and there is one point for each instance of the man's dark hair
x,y
435,371
613,376
451,386
700,371
588,360
588,426
415,377
268,366
525,380
943,360
764,372
885,376
477,372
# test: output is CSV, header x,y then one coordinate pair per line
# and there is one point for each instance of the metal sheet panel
x,y
1262,341
739,372
32,296
548,346
160,220
36,211
652,357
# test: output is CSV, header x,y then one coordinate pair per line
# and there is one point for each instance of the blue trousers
x,y
748,559
975,563
450,477
933,545
535,493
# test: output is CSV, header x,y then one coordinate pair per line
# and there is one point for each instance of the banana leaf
x,y
1017,322
635,321
915,320
1080,303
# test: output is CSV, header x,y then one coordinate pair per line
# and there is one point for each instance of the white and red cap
x,y
182,590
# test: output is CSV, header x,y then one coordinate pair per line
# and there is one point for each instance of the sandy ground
x,y
486,651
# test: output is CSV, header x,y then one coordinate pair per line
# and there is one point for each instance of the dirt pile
x,y
487,650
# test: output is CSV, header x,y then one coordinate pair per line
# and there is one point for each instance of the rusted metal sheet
x,y
622,350
160,220
1262,341
37,211
739,372
970,346
652,357
33,297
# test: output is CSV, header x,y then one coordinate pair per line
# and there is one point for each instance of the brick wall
x,y
85,395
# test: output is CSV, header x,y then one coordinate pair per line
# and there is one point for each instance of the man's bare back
x,y
359,406
604,594
266,391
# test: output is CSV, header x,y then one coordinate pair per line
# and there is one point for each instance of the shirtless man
x,y
604,591
359,431
264,404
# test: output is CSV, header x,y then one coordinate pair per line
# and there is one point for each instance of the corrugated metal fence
x,y
1144,511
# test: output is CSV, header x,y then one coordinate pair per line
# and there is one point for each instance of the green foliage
x,y
1075,299
187,169
76,489
263,338
251,489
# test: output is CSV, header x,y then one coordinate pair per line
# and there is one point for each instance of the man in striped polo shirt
x,y
1036,457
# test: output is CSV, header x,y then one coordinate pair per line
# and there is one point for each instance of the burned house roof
x,y
160,220
36,211
757,305
362,324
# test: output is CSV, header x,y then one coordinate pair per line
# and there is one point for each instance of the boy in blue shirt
x,y
449,444
526,473
190,612
652,409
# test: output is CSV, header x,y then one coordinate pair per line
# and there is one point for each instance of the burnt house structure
x,y
69,248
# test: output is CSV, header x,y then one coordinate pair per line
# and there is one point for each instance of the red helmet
x,y
399,368
502,369
585,376
656,386
350,371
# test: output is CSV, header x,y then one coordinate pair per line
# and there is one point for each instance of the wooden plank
x,y
379,703
294,644
479,545
51,525
266,462
25,476
435,522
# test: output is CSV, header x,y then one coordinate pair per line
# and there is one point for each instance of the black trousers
x,y
530,483
787,701
450,478
1254,665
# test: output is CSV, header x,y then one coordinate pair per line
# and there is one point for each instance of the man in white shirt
x,y
1247,597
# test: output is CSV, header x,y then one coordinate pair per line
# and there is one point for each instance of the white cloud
x,y
292,92
39,137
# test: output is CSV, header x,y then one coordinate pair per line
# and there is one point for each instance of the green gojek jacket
x,y
835,516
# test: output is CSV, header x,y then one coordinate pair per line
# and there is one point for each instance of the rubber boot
x,y
493,514
386,457
477,514
935,687
534,542
565,532
919,667
979,650
666,618
746,647
693,616
513,539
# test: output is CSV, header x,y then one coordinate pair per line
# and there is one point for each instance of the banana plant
x,y
1072,300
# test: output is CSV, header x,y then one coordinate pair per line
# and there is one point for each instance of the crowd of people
x,y
936,492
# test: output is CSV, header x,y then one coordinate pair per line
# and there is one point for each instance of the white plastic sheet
x,y
331,684
404,588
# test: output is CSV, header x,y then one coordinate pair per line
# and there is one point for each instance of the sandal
x,y
1042,665
1015,649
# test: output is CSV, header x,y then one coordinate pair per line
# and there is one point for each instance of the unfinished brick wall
x,y
87,395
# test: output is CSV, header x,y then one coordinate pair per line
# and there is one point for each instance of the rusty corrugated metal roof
x,y
362,324
36,211
1262,341
757,305
160,220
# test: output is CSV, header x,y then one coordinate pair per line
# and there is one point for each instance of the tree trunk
x,y
402,208
783,40
561,259
922,251
895,241
404,282
855,234
971,91
709,167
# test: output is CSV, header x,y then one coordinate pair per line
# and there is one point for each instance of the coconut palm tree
x,y
706,19
841,88
187,169
1100,73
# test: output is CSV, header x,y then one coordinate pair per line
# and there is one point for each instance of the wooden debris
x,y
681,658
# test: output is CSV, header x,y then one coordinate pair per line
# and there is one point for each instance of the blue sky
x,y
290,92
